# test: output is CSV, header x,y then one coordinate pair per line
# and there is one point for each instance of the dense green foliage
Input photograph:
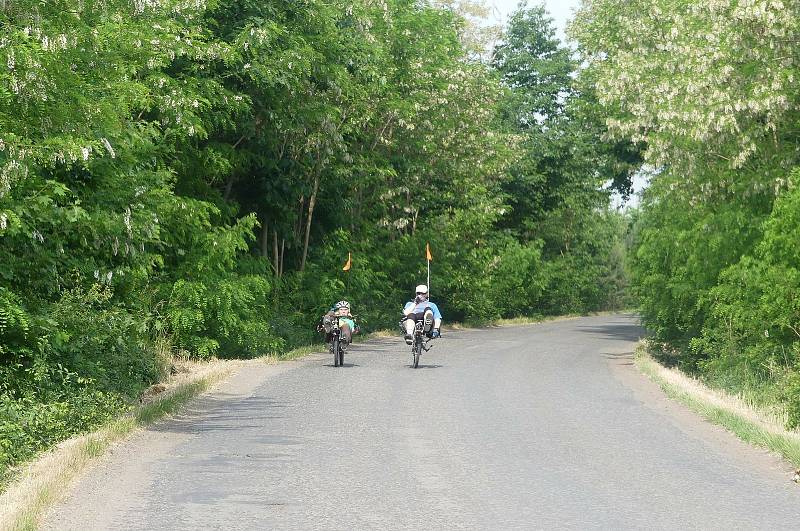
x,y
183,177
711,89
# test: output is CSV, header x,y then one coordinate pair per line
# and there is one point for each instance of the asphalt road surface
x,y
525,427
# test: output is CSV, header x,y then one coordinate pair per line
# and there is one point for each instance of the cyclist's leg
x,y
428,321
410,325
347,333
327,322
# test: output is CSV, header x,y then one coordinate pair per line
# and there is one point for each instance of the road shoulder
x,y
713,436
70,468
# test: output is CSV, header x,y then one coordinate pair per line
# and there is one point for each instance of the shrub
x,y
227,317
754,319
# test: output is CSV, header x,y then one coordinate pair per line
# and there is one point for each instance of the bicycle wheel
x,y
335,349
416,351
341,356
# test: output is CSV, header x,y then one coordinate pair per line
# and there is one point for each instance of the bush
x,y
682,247
36,422
226,317
792,395
67,370
88,334
753,328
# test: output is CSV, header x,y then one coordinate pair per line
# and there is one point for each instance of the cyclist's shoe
x,y
409,339
344,345
428,320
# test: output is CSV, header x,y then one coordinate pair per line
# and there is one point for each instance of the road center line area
x,y
535,426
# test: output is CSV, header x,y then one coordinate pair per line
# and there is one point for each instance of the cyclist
x,y
421,309
347,325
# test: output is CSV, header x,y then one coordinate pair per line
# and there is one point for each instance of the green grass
x,y
751,423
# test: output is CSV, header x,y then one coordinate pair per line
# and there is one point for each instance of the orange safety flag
x,y
428,252
348,264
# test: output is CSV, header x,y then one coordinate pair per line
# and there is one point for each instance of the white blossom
x,y
108,147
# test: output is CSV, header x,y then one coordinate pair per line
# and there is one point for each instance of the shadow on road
x,y
620,358
378,345
221,413
618,331
389,349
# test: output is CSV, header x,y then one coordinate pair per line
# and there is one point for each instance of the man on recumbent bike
x,y
421,309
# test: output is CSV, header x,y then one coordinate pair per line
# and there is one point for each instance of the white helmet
x,y
342,304
422,289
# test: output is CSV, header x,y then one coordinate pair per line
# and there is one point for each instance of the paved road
x,y
541,426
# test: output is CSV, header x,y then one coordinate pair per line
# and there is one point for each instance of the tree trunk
x,y
276,258
299,218
228,188
311,203
283,249
264,238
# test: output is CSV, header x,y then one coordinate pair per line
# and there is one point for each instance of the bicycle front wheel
x,y
335,349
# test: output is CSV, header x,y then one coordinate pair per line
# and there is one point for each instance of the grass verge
x,y
748,422
45,480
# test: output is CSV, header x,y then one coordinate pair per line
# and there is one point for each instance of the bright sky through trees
x,y
560,10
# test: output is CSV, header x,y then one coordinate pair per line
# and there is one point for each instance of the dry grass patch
x,y
45,480
382,334
755,425
533,320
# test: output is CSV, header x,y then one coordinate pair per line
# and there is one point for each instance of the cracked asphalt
x,y
526,427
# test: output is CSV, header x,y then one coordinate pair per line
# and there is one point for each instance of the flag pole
x,y
428,257
346,269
